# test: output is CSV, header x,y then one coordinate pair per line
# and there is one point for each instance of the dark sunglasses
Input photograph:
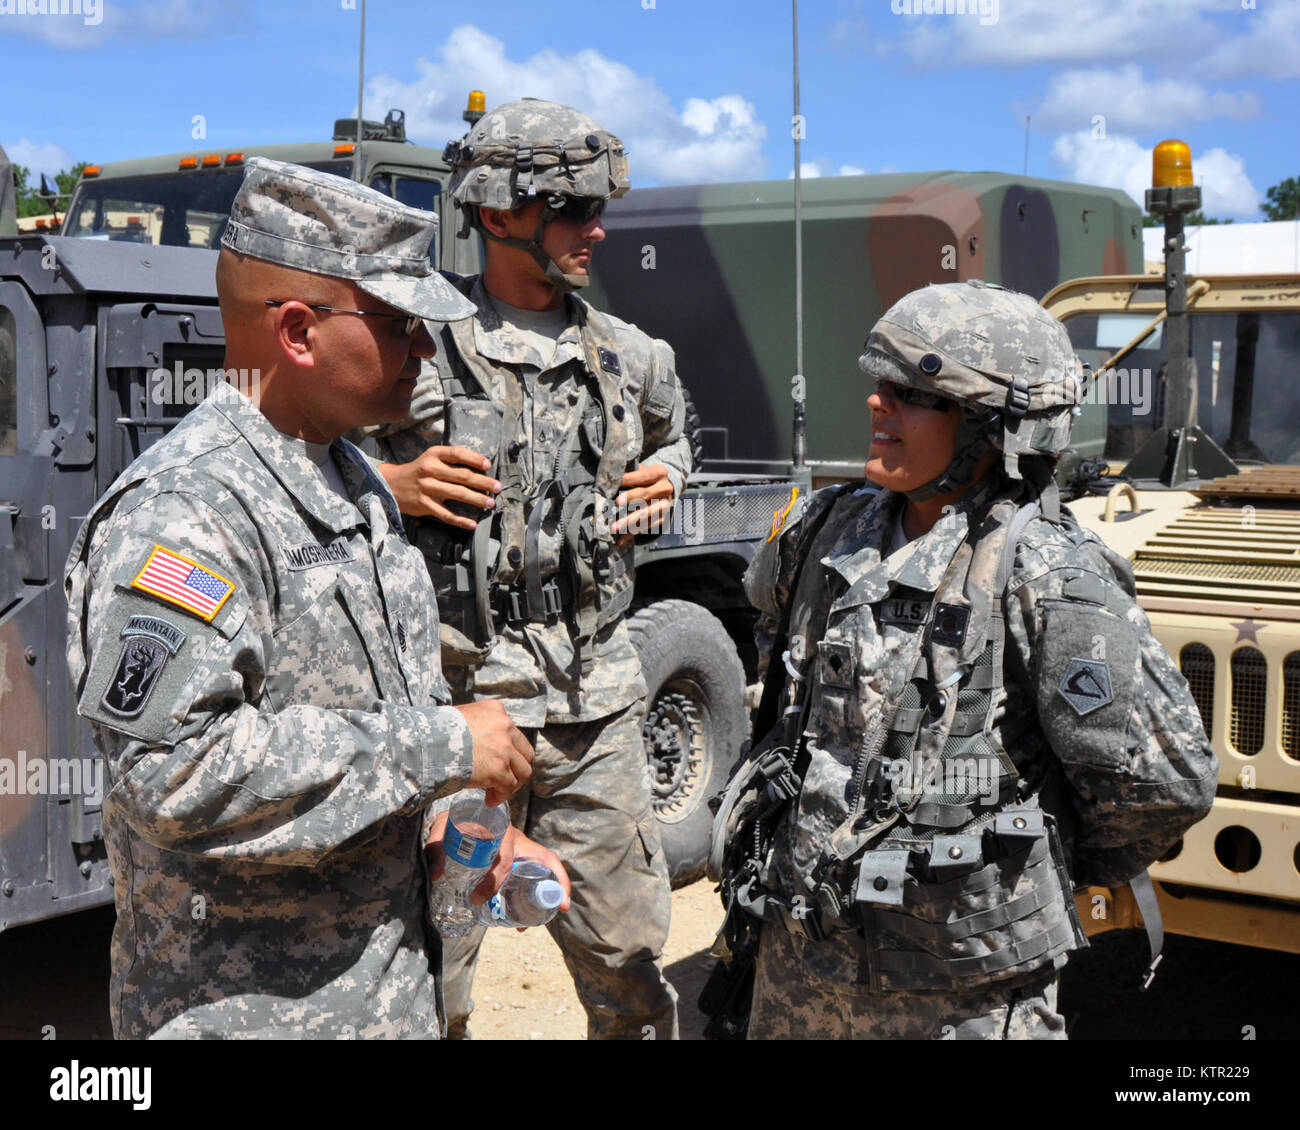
x,y
905,394
411,321
579,209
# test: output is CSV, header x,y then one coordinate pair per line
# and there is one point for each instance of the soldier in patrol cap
x,y
979,716
253,641
538,426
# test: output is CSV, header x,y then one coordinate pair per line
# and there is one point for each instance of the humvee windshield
x,y
181,209
1246,394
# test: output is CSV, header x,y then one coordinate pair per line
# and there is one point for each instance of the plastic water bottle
x,y
469,846
530,896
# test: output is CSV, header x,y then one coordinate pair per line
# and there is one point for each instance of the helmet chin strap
x,y
970,443
566,284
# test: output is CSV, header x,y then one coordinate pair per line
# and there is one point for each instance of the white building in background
x,y
1232,249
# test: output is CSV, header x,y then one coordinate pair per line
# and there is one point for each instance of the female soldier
x,y
986,719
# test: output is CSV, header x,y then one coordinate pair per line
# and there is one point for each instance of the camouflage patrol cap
x,y
531,148
314,221
987,348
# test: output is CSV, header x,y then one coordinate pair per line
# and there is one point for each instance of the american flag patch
x,y
181,581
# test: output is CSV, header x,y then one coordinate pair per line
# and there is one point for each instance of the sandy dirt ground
x,y
523,991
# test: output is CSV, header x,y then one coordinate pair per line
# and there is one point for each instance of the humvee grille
x,y
1196,661
1249,703
1291,705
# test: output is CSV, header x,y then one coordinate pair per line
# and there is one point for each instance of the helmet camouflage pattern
x,y
994,351
522,150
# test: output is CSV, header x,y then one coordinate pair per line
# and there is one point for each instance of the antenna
x,y
361,93
799,445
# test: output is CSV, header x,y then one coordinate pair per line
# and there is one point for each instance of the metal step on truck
x,y
110,333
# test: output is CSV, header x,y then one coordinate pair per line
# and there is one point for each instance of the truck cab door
x,y
426,189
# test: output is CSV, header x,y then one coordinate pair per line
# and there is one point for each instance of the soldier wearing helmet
x,y
974,716
539,425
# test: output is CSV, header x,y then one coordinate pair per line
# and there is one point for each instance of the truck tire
x,y
691,428
695,722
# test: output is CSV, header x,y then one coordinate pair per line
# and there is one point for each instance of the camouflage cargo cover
x,y
268,758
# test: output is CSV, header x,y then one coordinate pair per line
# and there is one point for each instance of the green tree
x,y
1194,219
1283,200
30,202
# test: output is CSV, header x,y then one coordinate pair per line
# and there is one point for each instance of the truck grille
x,y
1248,696
1197,664
1291,706
1249,676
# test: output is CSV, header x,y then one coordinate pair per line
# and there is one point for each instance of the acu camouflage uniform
x,y
990,721
257,657
607,399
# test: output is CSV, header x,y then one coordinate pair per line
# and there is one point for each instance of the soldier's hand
x,y
649,484
503,759
440,475
515,845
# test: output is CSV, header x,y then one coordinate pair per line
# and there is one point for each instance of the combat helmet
x,y
530,149
1003,358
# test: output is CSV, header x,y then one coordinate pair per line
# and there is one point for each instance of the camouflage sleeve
x,y
1111,702
663,416
210,747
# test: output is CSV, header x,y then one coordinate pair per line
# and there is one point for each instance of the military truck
x,y
1217,565
109,333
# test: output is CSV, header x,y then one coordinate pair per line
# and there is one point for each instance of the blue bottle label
x,y
468,851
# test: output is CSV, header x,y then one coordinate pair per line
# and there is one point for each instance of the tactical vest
x,y
950,878
495,575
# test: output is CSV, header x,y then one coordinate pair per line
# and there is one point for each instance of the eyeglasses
x,y
411,321
905,394
579,209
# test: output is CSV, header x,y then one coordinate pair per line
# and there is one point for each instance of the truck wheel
x,y
691,429
695,722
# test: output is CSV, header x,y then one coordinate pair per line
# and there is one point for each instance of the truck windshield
x,y
1245,394
180,209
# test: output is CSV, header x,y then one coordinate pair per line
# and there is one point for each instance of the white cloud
x,y
714,139
821,167
79,25
1117,161
1270,49
39,157
1083,31
1129,101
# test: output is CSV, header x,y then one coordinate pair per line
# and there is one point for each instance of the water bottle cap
x,y
548,894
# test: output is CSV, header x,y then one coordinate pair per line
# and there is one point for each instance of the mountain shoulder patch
x,y
1086,685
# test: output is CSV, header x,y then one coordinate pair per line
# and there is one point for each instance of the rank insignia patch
x,y
949,627
182,581
138,667
1086,685
609,361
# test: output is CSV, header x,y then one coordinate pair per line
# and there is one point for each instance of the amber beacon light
x,y
1171,165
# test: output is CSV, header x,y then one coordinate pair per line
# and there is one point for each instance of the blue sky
x,y
698,89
